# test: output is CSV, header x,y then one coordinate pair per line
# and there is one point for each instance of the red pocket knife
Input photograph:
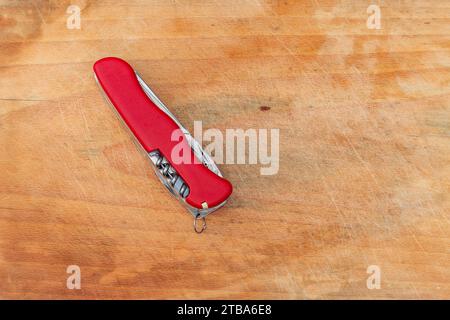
x,y
198,184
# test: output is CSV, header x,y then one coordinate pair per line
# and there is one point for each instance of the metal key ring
x,y
195,224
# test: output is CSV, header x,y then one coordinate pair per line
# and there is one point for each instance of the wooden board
x,y
364,168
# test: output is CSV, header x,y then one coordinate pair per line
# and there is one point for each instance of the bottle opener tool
x,y
197,184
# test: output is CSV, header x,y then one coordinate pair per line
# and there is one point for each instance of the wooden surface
x,y
364,150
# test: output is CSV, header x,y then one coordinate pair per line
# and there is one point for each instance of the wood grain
x,y
364,150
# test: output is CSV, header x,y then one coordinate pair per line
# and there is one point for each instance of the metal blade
x,y
201,155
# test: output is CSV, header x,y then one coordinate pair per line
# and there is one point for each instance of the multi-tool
x,y
197,184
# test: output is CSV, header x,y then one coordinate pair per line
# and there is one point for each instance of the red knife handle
x,y
153,129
